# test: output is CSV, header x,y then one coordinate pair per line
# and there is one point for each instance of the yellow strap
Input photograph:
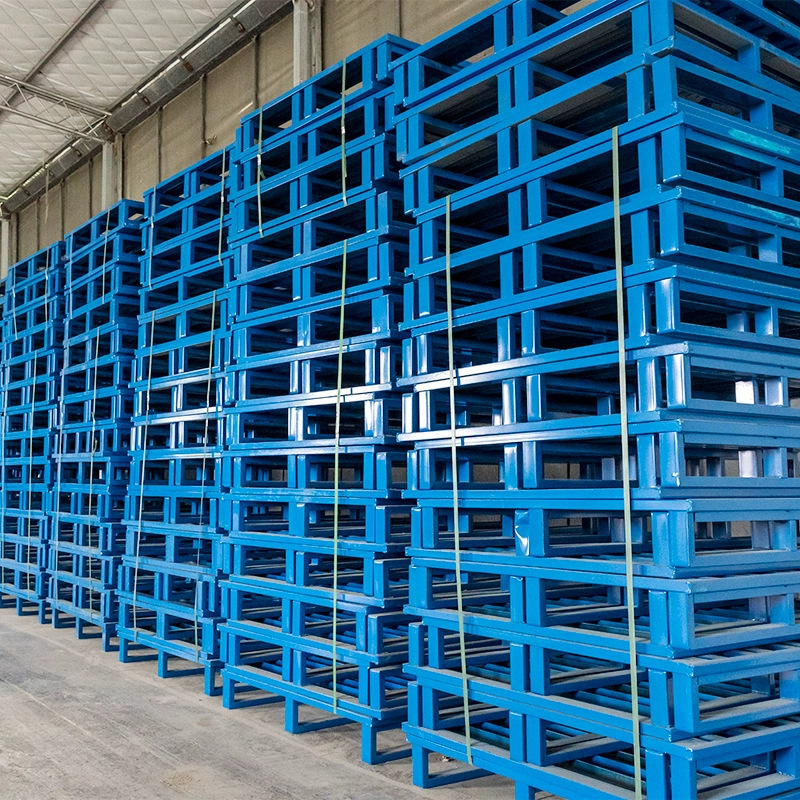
x,y
454,466
203,469
344,133
336,446
33,416
221,238
626,477
94,420
142,477
145,429
337,427
258,168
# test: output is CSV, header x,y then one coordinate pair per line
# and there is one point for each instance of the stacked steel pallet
x,y
169,604
509,171
94,420
33,312
318,530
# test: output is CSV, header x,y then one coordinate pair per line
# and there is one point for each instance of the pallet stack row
x,y
94,421
169,593
257,460
33,314
317,531
509,158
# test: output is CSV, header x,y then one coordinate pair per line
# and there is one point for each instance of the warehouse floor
x,y
78,724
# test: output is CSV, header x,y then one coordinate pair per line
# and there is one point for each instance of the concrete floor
x,y
78,724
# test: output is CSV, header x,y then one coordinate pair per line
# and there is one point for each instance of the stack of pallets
x,y
33,315
169,578
316,551
510,175
94,420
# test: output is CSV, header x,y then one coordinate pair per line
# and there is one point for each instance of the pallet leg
x,y
292,716
369,748
420,767
228,692
210,681
163,665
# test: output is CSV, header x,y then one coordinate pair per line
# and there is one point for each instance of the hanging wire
x,y
258,170
60,456
145,430
626,477
33,418
209,384
454,468
94,424
338,421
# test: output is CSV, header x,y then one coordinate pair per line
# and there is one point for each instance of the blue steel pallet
x,y
675,618
110,406
753,763
23,562
111,262
102,229
680,699
664,302
180,545
70,609
624,28
82,580
172,339
279,127
113,309
292,659
115,341
102,368
78,440
320,233
175,488
296,567
266,207
34,281
366,473
172,609
381,526
186,207
679,538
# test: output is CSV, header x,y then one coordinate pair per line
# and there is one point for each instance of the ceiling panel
x,y
113,50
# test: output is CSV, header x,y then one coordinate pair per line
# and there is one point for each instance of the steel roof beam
x,y
178,72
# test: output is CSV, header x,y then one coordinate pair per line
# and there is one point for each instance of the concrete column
x,y
307,18
5,246
108,194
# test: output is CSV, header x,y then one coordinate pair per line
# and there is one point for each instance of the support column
x,y
307,19
5,246
111,175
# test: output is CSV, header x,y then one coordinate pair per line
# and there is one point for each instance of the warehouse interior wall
x,y
204,117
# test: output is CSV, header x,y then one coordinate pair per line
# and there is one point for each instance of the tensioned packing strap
x,y
626,476
3,444
145,428
142,470
344,133
258,171
454,467
336,448
209,380
33,416
60,439
209,383
94,421
337,426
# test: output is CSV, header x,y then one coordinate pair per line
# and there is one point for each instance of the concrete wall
x,y
204,117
